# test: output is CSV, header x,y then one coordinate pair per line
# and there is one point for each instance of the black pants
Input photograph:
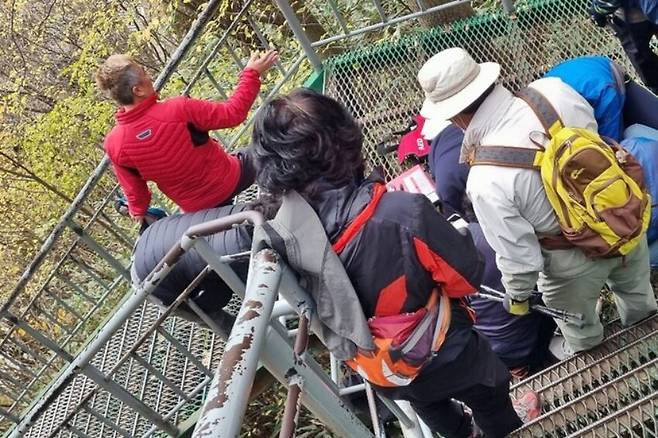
x,y
475,377
492,410
635,39
247,174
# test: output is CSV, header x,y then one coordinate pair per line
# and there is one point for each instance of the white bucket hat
x,y
452,80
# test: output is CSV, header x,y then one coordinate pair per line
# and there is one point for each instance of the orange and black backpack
x,y
405,342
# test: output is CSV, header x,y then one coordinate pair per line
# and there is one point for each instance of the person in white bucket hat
x,y
511,204
452,80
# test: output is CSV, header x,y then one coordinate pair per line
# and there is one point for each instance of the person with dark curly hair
x,y
396,250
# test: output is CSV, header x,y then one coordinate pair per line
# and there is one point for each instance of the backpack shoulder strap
x,y
360,220
543,109
506,156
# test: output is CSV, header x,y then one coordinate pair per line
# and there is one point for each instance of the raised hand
x,y
262,63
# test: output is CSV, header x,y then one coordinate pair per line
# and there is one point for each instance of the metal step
x,y
596,406
617,341
609,391
636,420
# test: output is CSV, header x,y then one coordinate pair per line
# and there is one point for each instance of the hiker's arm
x,y
207,115
449,255
512,237
134,187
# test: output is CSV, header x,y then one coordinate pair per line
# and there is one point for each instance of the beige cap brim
x,y
450,107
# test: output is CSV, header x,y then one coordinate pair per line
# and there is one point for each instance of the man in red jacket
x,y
167,141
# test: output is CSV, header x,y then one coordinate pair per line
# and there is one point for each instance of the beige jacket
x,y
510,203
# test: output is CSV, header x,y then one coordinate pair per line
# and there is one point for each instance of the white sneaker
x,y
560,348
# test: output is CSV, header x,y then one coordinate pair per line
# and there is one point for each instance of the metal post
x,y
372,408
296,382
508,5
98,249
320,394
185,45
296,27
229,392
415,430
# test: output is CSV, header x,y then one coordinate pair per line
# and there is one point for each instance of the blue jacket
x,y
646,152
449,175
593,78
648,7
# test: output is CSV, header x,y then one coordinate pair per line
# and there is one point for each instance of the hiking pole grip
x,y
576,319
572,318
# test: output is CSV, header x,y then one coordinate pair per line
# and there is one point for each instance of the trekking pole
x,y
574,318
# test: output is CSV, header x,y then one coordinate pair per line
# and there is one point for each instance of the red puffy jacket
x,y
167,143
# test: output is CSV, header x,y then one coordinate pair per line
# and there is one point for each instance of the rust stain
x,y
253,304
270,256
251,314
229,366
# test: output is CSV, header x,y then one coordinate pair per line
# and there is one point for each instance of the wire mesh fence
x,y
378,82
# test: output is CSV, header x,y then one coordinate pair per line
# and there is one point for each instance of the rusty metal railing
x,y
256,336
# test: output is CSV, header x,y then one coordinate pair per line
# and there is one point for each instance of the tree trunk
x,y
442,17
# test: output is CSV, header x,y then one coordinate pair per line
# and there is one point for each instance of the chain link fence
x,y
378,82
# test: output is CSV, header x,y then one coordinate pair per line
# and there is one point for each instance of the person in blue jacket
x,y
634,22
449,174
628,113
618,101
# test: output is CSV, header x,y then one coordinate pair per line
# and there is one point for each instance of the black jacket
x,y
402,252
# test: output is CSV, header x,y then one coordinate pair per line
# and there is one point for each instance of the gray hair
x,y
117,76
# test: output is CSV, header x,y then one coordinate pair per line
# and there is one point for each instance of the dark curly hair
x,y
303,141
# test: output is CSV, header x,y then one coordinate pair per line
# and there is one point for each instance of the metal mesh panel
x,y
378,83
182,375
636,338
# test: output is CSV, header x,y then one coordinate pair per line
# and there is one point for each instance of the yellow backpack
x,y
595,187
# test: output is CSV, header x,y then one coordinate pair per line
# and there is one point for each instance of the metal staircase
x,y
611,390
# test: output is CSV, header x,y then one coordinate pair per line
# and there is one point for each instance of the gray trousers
x,y
573,282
